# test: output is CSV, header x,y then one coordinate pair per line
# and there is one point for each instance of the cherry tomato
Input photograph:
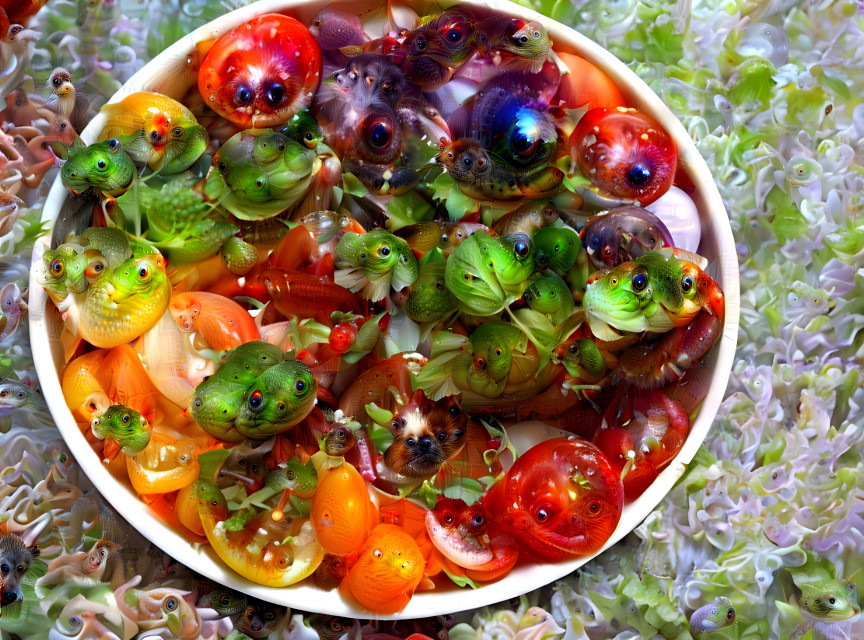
x,y
624,153
342,336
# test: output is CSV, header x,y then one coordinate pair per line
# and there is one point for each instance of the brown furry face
x,y
15,560
426,434
259,619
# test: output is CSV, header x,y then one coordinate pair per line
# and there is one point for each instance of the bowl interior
x,y
173,73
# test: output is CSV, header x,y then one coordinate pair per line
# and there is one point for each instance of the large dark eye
x,y
56,81
5,568
410,442
454,411
832,600
171,604
640,281
384,250
521,248
454,35
143,272
542,515
126,418
467,161
442,436
686,284
730,613
594,507
243,95
177,132
256,401
275,94
113,144
101,163
639,174
420,43
574,349
300,386
380,134
269,616
56,267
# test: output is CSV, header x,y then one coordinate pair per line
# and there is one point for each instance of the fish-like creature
x,y
374,262
125,426
261,73
125,302
158,131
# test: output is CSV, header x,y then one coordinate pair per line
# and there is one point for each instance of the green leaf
x,y
786,220
462,581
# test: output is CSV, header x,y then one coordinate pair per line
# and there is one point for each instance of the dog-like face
x,y
15,560
426,434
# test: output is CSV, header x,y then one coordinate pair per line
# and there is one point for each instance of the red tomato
x,y
624,153
559,499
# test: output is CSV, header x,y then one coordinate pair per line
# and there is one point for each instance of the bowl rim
x,y
525,577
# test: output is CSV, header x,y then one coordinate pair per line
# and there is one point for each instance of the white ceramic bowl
x,y
172,72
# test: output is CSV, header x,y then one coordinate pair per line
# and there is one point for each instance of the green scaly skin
x,y
125,425
583,361
557,248
665,280
472,280
62,272
551,296
486,370
303,128
253,191
280,398
611,300
186,144
832,600
215,406
125,302
301,478
375,261
430,300
102,167
226,602
112,243
211,501
512,258
248,361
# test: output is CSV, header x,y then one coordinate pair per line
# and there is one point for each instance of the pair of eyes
x,y
274,95
477,521
253,467
5,394
523,39
176,132
256,399
441,436
542,514
383,250
268,616
5,569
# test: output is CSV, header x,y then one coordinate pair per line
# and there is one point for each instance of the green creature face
x,y
102,166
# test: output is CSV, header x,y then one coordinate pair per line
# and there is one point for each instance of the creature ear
x,y
34,551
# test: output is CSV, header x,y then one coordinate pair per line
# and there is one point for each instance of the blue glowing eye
x,y
640,281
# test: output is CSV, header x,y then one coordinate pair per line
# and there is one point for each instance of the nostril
x,y
9,597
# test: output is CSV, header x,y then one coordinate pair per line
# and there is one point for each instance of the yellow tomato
x,y
165,465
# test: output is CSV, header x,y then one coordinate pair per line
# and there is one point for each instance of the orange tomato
x,y
587,86
389,568
165,465
342,512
